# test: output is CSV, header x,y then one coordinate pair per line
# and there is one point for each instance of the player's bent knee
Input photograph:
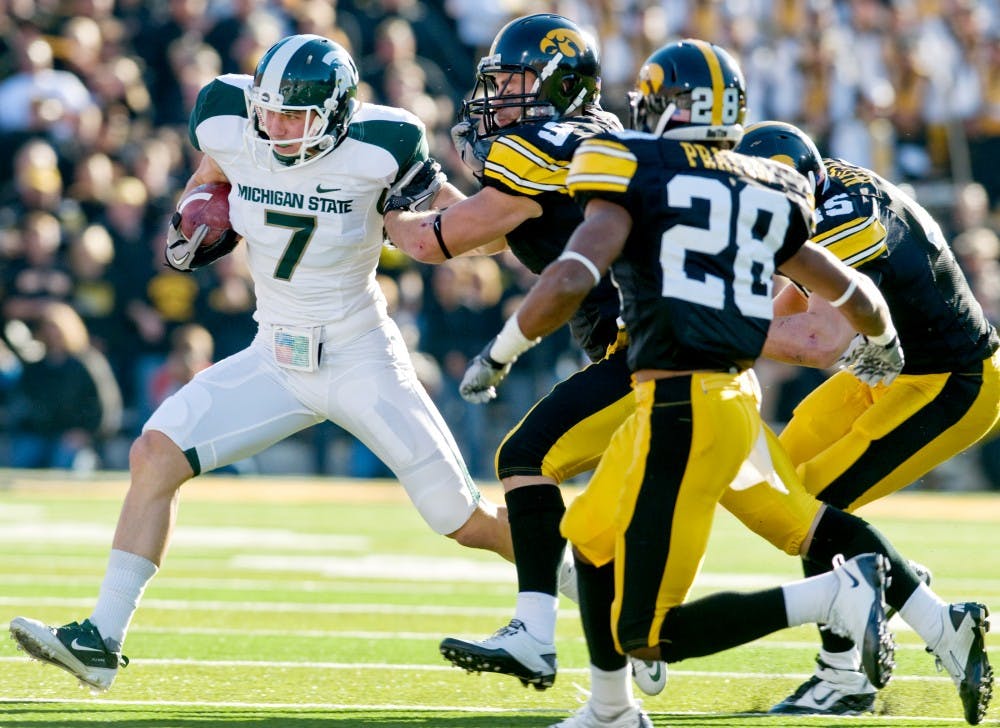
x,y
154,458
478,532
519,454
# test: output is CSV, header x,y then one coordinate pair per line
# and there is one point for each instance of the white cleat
x,y
858,612
510,651
632,717
76,648
649,677
830,692
962,652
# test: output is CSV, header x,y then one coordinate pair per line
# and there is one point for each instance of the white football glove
x,y
188,255
415,190
463,136
180,251
482,375
873,363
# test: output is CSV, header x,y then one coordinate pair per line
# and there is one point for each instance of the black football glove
x,y
873,363
186,255
415,190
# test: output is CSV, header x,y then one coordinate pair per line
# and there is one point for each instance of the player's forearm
x,y
414,233
554,298
867,310
804,340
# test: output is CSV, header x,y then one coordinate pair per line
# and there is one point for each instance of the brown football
x,y
206,204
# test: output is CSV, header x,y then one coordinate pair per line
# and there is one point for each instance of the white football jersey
x,y
313,234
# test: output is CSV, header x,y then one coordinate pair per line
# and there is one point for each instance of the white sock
x,y
923,611
610,692
808,600
850,660
538,612
122,588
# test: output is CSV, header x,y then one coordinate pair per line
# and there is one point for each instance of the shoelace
x,y
509,629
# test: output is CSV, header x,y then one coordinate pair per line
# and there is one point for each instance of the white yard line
x,y
397,667
185,605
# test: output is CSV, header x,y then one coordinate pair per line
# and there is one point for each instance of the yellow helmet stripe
x,y
717,84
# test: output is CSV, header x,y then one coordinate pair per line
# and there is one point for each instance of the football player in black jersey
x,y
693,233
853,443
536,99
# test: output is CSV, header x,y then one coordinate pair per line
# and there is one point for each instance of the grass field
x,y
290,602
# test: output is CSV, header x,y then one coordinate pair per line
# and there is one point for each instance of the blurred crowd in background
x,y
94,101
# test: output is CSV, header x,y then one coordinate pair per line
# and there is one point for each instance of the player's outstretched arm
x,y
475,225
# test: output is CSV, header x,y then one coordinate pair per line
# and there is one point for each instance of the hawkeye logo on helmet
x,y
562,40
651,78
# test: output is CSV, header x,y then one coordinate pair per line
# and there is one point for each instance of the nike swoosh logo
x,y
75,644
854,582
654,671
821,701
320,189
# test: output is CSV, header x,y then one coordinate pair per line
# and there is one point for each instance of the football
x,y
206,204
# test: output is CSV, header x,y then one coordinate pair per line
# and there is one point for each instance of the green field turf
x,y
291,602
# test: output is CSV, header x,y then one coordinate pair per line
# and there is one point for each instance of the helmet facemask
x,y
491,96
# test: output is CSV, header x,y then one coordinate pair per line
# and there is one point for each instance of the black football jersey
x,y
532,159
874,226
709,228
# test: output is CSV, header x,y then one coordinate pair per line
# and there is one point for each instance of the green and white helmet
x,y
302,72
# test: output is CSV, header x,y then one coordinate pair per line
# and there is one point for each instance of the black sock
x,y
843,533
597,591
720,621
534,512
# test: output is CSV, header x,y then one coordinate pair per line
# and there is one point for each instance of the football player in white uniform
x,y
310,168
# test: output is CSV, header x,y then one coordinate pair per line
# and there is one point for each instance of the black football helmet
x,y
690,89
564,71
785,143
302,72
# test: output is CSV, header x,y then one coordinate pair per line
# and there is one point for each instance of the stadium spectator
x,y
40,98
40,275
174,26
191,351
395,45
321,17
227,33
66,403
93,296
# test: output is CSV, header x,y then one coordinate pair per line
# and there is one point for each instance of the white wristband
x,y
587,263
510,343
846,294
885,338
